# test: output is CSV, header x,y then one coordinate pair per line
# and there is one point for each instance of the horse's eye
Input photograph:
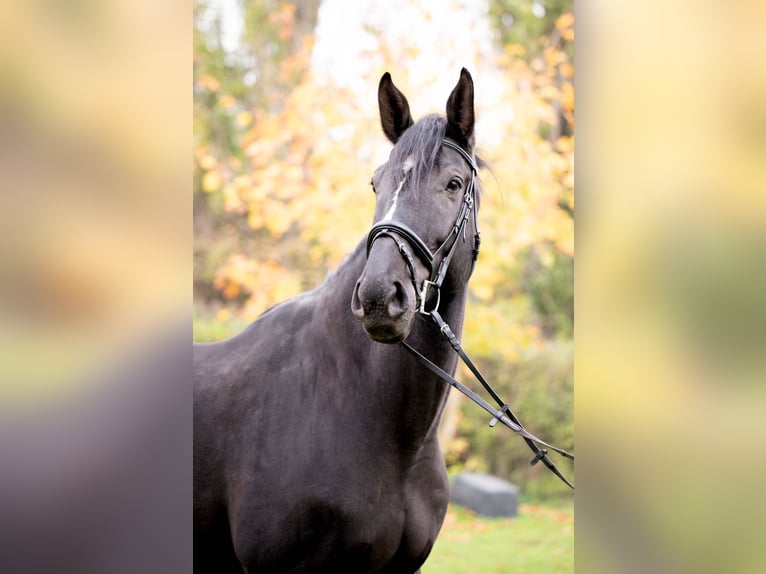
x,y
454,184
372,185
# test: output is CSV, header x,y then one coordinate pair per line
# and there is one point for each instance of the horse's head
x,y
424,240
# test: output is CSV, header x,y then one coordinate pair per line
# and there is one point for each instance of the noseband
x,y
392,229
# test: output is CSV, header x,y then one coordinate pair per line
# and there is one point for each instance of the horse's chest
x,y
335,530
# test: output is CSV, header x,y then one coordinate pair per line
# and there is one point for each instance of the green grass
x,y
539,540
207,327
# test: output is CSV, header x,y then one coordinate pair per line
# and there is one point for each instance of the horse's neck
x,y
424,393
391,376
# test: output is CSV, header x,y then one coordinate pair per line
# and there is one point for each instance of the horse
x,y
315,435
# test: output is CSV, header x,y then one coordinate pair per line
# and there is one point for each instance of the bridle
x,y
432,287
391,229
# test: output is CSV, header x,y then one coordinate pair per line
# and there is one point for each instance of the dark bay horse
x,y
315,438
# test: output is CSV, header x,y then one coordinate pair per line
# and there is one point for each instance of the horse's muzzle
x,y
384,304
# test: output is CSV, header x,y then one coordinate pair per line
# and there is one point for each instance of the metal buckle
x,y
424,297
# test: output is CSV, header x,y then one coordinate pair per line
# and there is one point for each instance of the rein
x,y
392,229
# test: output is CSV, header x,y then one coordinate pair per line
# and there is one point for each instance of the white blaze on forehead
x,y
409,163
390,213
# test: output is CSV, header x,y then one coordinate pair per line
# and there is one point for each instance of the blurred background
x,y
287,135
95,295
671,286
95,238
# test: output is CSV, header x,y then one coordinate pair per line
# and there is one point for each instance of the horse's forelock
x,y
416,151
418,147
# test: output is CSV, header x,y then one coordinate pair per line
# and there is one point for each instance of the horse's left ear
x,y
460,117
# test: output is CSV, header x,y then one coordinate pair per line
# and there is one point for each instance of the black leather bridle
x,y
397,231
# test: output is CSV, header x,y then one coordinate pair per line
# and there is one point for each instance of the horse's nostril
x,y
397,303
357,309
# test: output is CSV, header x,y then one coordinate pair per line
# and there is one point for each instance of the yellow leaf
x,y
514,50
483,292
567,92
255,219
207,162
554,57
211,181
243,181
232,202
565,21
277,223
227,101
235,164
243,119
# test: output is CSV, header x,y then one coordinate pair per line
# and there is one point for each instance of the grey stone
x,y
485,494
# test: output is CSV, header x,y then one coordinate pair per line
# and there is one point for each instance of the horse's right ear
x,y
394,110
460,116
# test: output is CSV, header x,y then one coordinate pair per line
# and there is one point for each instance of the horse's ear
x,y
394,110
460,118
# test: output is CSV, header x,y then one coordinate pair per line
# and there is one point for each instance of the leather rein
x,y
429,291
